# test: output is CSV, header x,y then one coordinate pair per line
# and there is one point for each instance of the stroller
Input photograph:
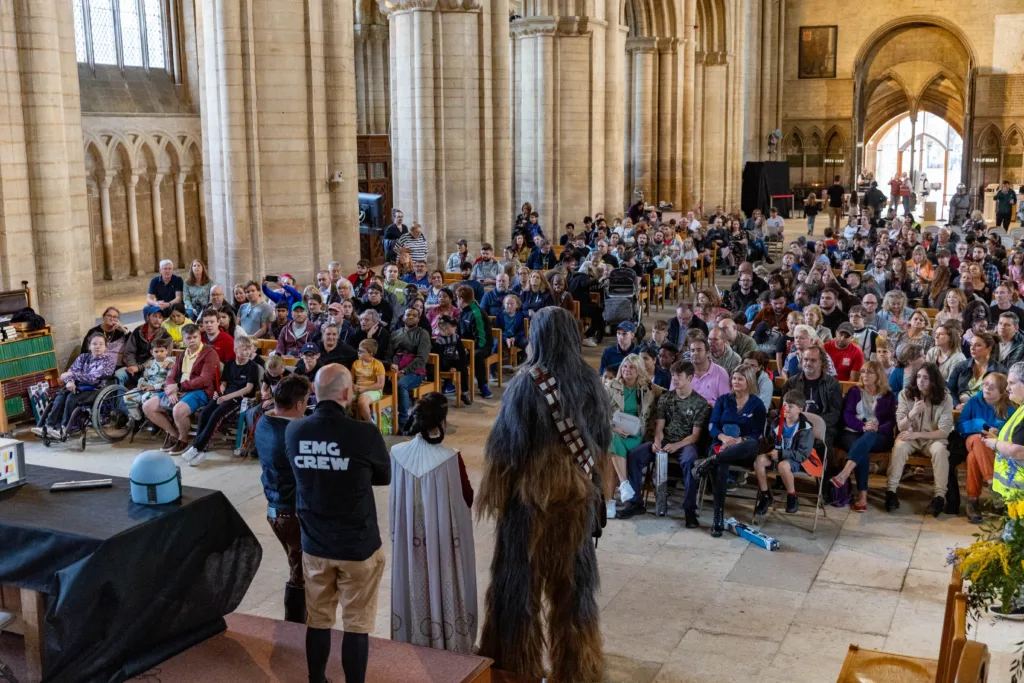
x,y
622,300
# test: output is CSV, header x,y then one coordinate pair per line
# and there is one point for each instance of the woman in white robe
x,y
433,563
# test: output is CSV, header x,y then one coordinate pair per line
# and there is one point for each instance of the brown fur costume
x,y
546,511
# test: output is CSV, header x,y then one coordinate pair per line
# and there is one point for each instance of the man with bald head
x,y
218,302
337,462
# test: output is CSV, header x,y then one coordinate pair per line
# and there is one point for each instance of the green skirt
x,y
621,445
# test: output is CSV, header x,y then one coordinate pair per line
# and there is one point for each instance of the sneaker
x,y
703,465
792,504
239,452
891,501
199,457
632,509
609,507
486,392
189,454
937,505
765,499
493,379
589,341
973,513
467,398
169,443
178,448
448,388
691,519
38,431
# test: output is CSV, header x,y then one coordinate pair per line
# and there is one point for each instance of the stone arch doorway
x,y
930,144
915,65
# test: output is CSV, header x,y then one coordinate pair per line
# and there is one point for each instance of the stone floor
x,y
678,605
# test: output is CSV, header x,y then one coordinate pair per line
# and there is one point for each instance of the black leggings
x,y
448,364
480,367
740,454
210,417
64,403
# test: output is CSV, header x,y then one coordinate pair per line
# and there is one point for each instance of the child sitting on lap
x,y
154,375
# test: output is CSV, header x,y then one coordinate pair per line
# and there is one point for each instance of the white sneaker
x,y
38,431
189,454
197,458
610,508
589,341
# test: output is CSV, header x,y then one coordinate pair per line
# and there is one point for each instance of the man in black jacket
x,y
684,321
874,198
290,398
337,462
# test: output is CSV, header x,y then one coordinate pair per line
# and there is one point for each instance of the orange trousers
x,y
980,464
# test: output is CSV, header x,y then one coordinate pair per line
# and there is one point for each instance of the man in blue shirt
x,y
419,275
542,258
493,301
624,345
166,289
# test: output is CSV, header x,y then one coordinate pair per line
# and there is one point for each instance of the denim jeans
x,y
406,383
640,457
810,223
859,448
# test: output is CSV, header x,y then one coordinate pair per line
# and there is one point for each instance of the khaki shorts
x,y
354,583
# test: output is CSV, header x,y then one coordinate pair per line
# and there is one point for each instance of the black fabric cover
x,y
761,180
128,585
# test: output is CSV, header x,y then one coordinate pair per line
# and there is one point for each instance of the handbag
x,y
630,424
572,439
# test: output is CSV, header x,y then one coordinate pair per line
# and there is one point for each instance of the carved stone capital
x,y
698,56
668,45
641,45
388,7
534,26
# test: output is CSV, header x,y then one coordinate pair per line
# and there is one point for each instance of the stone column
x,y
447,118
108,226
179,215
131,181
158,219
614,114
668,130
689,95
643,101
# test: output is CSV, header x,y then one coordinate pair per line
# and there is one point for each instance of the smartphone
x,y
272,278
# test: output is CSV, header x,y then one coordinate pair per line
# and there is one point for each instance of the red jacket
x,y
205,375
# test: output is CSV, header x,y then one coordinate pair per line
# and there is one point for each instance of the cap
x,y
845,327
461,241
289,276
299,304
310,348
150,310
334,306
627,326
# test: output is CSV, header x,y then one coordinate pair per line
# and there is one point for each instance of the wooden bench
x,y
388,400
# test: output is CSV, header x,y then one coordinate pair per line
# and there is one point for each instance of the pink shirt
x,y
713,384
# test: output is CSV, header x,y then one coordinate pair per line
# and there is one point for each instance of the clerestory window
x,y
122,33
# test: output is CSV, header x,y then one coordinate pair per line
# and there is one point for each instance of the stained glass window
x,y
81,47
104,46
155,34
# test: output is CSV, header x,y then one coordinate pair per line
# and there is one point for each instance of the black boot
x,y
891,501
764,501
792,503
973,513
294,604
718,524
691,519
937,505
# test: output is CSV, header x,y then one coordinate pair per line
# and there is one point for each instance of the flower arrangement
x,y
994,567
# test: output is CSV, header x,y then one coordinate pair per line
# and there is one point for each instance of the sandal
x,y
835,482
859,507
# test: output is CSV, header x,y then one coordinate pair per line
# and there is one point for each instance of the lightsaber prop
x,y
750,534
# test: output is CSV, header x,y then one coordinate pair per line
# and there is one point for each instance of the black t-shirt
x,y
1018,435
994,312
835,195
236,376
832,320
812,395
337,462
166,291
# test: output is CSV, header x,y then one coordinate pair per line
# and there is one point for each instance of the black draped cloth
x,y
127,585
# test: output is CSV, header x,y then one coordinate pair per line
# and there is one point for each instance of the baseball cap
x,y
627,326
150,310
335,306
299,304
310,348
288,275
845,327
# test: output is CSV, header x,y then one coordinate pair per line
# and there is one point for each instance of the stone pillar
x,y
277,100
689,95
131,181
668,129
447,117
643,102
179,215
42,188
158,219
614,114
108,225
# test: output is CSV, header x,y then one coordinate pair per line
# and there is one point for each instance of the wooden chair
x,y
267,346
956,662
429,385
495,358
644,297
558,249
455,377
290,361
658,290
388,400
452,278
847,386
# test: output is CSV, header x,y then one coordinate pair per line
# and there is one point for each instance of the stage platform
x,y
259,650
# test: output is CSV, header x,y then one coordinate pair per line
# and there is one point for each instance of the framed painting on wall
x,y
817,57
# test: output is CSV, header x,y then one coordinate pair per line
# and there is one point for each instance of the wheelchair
x,y
110,420
78,423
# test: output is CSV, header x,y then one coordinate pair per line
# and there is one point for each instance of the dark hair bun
x,y
429,413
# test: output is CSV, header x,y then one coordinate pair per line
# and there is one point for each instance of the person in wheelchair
x,y
81,382
239,380
153,376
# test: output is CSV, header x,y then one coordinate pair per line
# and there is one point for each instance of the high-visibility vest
x,y
1008,474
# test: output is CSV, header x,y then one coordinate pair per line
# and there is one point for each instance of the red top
x,y
224,345
205,375
847,360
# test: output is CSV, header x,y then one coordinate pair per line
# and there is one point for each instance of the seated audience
x,y
634,399
946,353
284,292
298,332
981,418
1010,338
452,355
475,326
965,381
409,352
494,300
461,255
138,345
624,346
794,442
255,315
166,289
113,333
822,392
152,376
176,322
367,380
721,353
659,375
215,338
846,356
80,383
683,322
196,292
757,362
332,349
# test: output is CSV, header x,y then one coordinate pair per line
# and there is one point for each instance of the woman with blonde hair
x,y
953,306
894,312
536,294
805,337
982,417
633,397
869,418
946,353
814,317
921,267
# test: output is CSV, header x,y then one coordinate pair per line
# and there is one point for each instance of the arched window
x,y
121,33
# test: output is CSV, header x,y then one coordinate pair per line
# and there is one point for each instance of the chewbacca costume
x,y
546,509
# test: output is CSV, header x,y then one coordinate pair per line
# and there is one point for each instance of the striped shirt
x,y
417,246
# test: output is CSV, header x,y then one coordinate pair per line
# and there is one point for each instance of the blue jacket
x,y
540,261
534,301
748,425
613,355
513,327
289,295
278,478
976,416
493,302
